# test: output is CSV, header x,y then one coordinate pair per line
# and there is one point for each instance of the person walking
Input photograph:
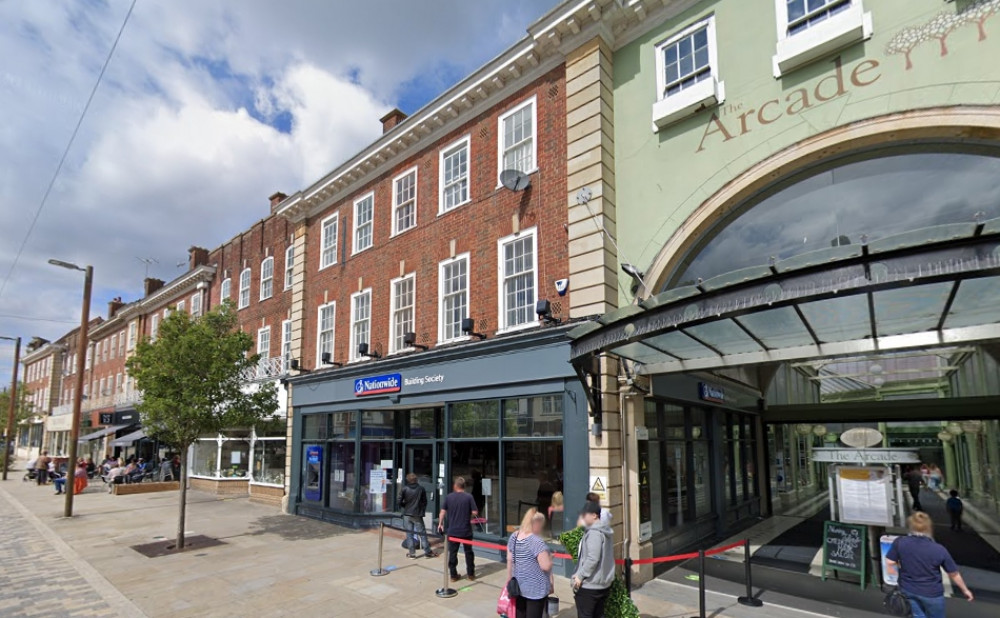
x,y
42,468
595,566
954,507
913,480
79,477
529,561
919,560
459,508
413,504
605,513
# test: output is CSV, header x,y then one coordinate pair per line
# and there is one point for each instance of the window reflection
x,y
837,204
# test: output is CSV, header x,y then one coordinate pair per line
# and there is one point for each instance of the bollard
x,y
445,592
701,584
379,572
628,576
749,600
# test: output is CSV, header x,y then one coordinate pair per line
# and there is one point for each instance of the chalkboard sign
x,y
845,549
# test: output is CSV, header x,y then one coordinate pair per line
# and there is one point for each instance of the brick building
x,y
43,362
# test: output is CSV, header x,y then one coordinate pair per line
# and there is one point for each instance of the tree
x,y
191,381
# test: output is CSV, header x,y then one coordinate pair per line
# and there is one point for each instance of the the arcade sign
x,y
378,385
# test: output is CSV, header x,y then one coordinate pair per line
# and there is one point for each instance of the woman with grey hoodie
x,y
595,570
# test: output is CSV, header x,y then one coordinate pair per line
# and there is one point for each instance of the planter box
x,y
221,487
144,488
267,495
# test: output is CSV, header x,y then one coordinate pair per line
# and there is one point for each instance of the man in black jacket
x,y
413,503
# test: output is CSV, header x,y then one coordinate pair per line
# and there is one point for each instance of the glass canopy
x,y
932,287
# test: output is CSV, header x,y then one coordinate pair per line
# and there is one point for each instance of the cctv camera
x,y
562,285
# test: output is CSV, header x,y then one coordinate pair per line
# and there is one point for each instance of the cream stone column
x,y
297,317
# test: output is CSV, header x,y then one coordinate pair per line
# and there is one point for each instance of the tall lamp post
x,y
13,404
81,360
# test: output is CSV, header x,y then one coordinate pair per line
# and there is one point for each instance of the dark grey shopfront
x,y
508,414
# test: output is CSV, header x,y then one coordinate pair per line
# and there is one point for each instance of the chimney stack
x,y
197,256
276,199
390,120
151,285
113,306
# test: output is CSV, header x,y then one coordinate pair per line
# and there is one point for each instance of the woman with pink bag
x,y
529,570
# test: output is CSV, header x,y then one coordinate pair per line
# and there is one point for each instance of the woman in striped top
x,y
530,561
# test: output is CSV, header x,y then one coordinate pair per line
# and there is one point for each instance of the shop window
x,y
422,424
377,490
475,419
342,425
533,417
205,457
341,494
678,497
479,464
314,426
269,454
377,425
533,474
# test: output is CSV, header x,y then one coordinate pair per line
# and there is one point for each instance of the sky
x,y
205,110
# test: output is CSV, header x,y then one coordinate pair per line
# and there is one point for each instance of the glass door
x,y
422,460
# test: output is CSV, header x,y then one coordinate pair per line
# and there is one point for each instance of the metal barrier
x,y
379,572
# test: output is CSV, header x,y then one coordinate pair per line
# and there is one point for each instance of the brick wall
x,y
475,227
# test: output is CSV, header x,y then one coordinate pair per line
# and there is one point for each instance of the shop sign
x,y
378,385
865,456
126,418
106,418
711,392
422,380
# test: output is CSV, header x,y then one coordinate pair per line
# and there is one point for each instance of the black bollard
x,y
628,576
749,600
701,583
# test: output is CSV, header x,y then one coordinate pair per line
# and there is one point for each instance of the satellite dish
x,y
861,437
515,180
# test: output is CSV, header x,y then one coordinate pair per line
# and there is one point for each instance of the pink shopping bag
x,y
505,604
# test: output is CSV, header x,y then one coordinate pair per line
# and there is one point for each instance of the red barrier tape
x,y
674,558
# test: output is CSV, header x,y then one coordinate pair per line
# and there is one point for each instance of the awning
x,y
129,438
100,433
936,286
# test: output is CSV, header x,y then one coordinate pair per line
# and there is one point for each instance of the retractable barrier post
x,y
701,583
444,591
628,576
749,600
379,572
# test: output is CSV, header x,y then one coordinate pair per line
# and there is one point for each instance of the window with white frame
x,y
289,266
225,289
518,279
196,304
361,320
114,346
121,344
517,138
118,382
244,300
106,350
154,326
133,333
286,345
402,302
325,330
812,29
264,342
181,306
328,241
364,214
454,297
404,201
687,73
267,278
454,180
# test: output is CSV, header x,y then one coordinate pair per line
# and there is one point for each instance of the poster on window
x,y
645,496
864,495
376,481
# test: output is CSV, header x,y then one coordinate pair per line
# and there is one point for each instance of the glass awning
x,y
935,286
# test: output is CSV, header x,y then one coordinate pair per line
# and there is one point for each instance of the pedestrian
x,y
80,477
919,560
936,476
42,468
60,483
955,507
605,513
595,565
459,508
413,503
913,480
529,561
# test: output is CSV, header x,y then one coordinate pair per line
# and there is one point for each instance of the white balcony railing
x,y
95,403
128,397
265,369
66,408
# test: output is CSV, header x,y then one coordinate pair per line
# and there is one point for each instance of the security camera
x,y
562,285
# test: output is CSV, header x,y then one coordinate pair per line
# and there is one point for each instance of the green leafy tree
x,y
192,381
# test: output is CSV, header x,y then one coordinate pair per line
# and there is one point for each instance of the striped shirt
x,y
534,582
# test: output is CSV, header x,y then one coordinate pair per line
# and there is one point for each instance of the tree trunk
x,y
183,506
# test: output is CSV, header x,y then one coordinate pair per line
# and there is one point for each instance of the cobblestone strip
x,y
43,576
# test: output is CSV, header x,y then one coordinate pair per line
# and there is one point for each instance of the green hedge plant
x,y
619,604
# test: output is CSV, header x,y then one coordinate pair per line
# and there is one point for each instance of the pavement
x,y
269,564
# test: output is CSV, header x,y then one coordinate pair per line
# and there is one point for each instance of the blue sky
x,y
206,109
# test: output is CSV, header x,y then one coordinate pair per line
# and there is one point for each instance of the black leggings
x,y
532,608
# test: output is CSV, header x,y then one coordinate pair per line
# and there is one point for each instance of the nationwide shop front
x,y
507,414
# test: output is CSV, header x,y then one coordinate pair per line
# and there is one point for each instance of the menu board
x,y
845,549
864,495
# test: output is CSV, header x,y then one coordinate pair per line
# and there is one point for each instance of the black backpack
x,y
897,604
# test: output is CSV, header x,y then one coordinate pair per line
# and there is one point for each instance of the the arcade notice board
x,y
864,495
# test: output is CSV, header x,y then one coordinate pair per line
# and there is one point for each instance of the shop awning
x,y
100,433
129,438
930,287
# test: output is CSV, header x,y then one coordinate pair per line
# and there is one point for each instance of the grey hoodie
x,y
596,557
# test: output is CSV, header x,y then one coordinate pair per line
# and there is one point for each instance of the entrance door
x,y
421,459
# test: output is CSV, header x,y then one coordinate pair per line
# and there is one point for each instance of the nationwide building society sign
x,y
378,385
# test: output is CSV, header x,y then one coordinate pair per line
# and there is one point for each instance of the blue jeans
x,y
415,525
926,607
60,484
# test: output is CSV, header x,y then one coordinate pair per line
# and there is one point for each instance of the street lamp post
x,y
13,404
81,360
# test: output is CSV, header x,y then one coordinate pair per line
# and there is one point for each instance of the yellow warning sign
x,y
599,486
